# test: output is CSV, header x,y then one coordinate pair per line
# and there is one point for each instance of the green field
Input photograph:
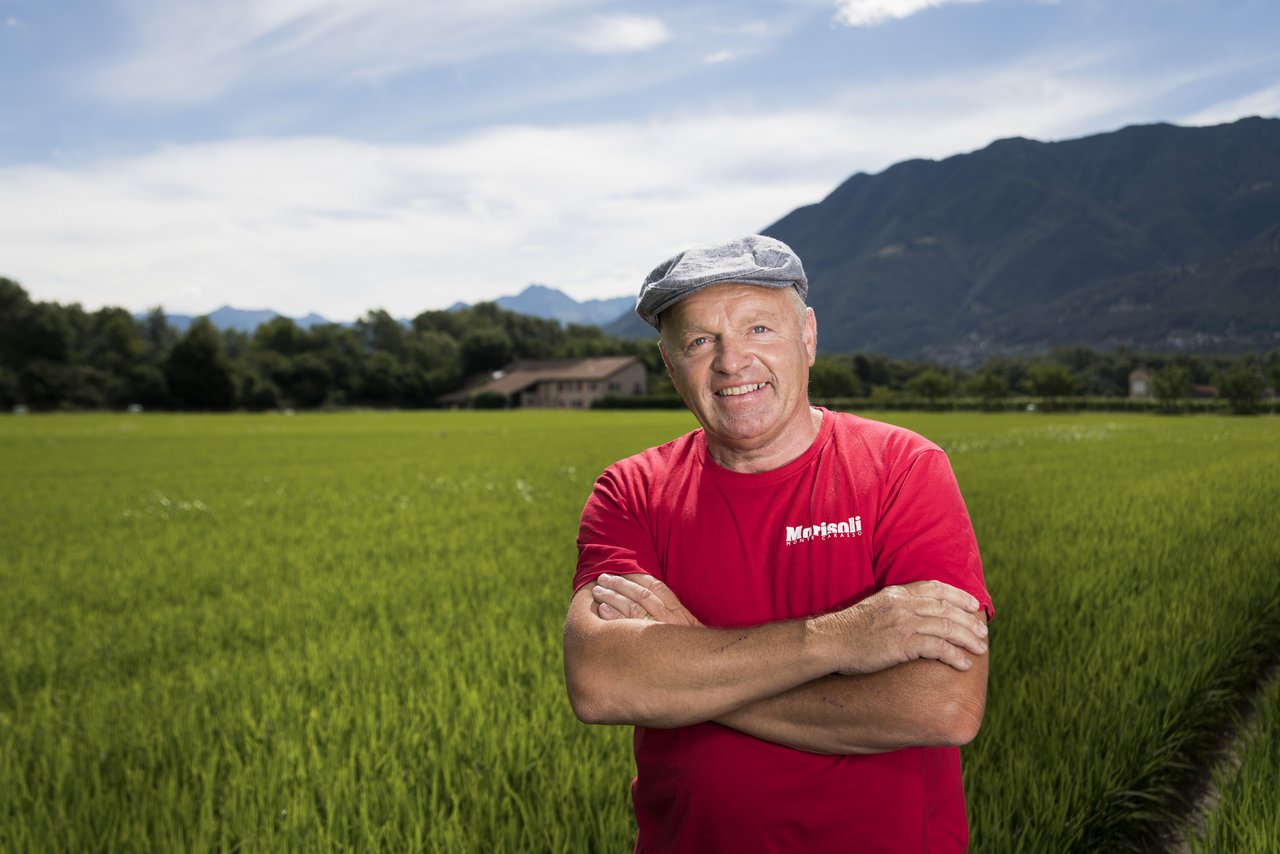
x,y
1247,813
327,632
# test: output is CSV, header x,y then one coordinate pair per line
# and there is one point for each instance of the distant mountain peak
x,y
550,303
239,319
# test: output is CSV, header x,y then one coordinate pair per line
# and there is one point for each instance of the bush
x,y
489,400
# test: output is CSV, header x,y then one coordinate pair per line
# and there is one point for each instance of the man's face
x,y
739,355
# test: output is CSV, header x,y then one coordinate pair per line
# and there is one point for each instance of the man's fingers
x,y
945,592
953,632
639,595
616,602
645,599
924,646
608,612
923,619
974,622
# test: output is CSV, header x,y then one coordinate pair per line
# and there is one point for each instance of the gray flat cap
x,y
753,260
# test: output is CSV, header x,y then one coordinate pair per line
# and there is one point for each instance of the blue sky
x,y
342,155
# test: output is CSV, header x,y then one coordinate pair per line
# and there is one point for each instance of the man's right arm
x,y
661,674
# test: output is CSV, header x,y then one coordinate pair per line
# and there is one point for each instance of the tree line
x,y
1062,376
63,357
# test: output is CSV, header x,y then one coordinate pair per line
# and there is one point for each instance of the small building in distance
x,y
1140,383
561,383
1140,386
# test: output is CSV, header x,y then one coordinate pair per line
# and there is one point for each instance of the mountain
x,y
1154,237
242,320
549,303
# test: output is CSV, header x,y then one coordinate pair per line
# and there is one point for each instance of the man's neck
x,y
773,454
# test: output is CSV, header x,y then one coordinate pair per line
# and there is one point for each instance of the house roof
x,y
521,375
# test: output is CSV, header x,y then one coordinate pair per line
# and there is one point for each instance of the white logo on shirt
x,y
823,530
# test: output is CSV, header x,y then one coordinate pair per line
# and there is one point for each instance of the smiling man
x,y
787,604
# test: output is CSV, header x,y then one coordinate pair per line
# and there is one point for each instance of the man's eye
x,y
698,342
759,329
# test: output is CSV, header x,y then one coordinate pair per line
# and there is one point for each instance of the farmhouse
x,y
562,383
1140,386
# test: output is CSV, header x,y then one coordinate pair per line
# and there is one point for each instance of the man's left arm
x,y
916,704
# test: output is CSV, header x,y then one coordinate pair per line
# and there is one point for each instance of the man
x,y
788,604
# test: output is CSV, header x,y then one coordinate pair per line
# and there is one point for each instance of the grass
x,y
1247,814
342,631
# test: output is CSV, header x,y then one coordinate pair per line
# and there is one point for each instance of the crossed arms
x,y
905,667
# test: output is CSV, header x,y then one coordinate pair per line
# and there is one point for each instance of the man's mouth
x,y
740,389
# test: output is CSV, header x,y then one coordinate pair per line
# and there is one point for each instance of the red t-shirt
x,y
868,505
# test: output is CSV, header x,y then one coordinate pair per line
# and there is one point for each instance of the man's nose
x,y
731,356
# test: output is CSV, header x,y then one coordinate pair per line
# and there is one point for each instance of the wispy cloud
x,y
869,13
620,34
186,50
1263,102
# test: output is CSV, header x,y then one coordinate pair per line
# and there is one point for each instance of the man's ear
x,y
811,334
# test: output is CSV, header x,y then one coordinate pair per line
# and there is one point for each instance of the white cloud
x,y
344,227
720,56
191,50
869,13
1264,102
620,34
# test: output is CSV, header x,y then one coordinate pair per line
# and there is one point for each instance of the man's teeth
x,y
739,389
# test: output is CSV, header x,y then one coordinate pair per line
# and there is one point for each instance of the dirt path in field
x,y
1231,757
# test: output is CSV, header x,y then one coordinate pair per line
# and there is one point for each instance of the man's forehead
x,y
728,297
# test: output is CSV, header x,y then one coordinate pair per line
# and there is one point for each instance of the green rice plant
x,y
342,631
1134,567
1246,814
269,633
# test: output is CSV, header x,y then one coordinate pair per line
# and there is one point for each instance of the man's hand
x,y
923,619
639,597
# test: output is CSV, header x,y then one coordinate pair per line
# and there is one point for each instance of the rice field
x,y
1246,816
342,631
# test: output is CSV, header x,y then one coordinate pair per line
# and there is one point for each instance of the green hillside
x,y
1156,237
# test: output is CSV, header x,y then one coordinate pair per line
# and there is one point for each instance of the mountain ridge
x,y
535,300
1152,237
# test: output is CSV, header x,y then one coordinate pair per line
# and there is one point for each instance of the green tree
x,y
931,384
198,371
10,388
14,305
1170,385
988,386
384,380
1241,385
310,380
433,364
871,369
341,349
486,348
1050,381
280,335
257,393
147,385
833,377
158,335
378,330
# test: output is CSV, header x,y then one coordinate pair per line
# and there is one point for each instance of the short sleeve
x,y
613,536
924,531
